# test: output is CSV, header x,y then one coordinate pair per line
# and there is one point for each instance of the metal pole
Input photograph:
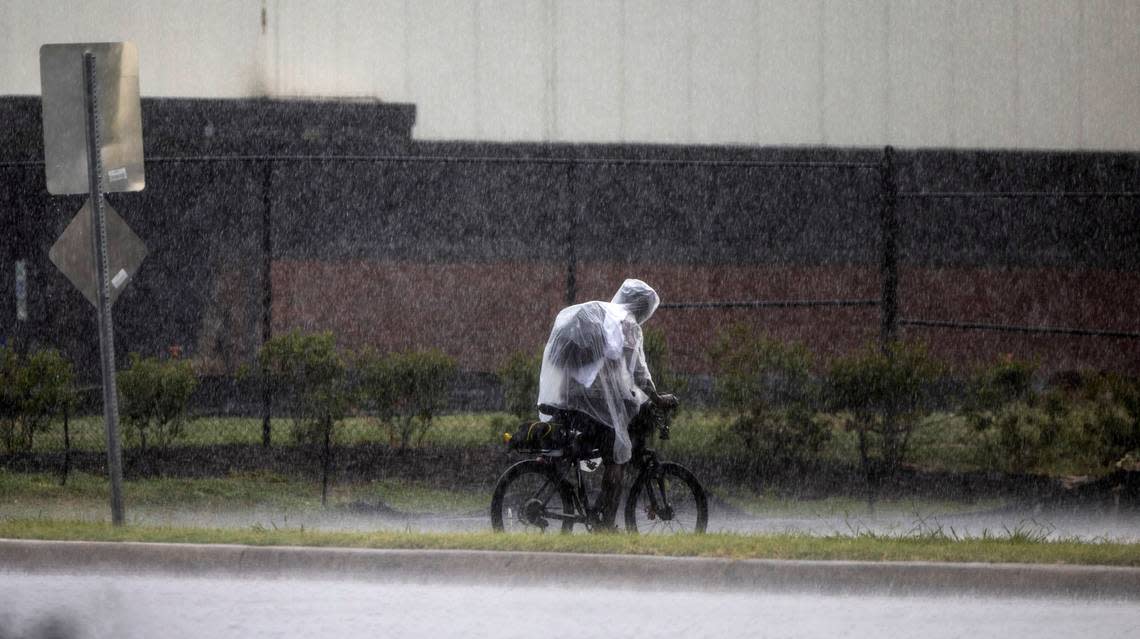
x,y
889,250
266,300
571,230
106,329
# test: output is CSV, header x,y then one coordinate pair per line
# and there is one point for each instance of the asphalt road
x,y
61,606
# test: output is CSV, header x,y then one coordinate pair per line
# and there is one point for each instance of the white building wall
x,y
941,73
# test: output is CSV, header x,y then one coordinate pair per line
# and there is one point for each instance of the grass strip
x,y
943,441
1013,547
31,491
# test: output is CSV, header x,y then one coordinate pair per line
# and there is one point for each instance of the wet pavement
x,y
125,607
1084,523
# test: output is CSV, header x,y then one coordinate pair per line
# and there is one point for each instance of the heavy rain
x,y
738,281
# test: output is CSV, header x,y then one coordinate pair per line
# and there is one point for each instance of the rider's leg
x,y
609,500
605,508
611,493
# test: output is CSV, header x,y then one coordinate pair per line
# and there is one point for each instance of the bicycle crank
x,y
531,514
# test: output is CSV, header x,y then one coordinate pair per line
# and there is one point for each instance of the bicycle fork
x,y
655,487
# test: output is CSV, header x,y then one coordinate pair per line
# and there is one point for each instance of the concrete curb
x,y
522,569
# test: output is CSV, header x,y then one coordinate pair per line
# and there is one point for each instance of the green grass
x,y
460,429
41,493
944,441
940,442
30,494
1012,547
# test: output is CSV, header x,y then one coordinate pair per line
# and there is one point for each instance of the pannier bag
x,y
533,437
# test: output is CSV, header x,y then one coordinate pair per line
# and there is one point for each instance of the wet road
x,y
1086,524
88,607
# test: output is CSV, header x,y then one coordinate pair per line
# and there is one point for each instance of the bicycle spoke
x,y
527,503
667,504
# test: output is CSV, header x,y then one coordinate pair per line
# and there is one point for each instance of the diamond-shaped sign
x,y
73,253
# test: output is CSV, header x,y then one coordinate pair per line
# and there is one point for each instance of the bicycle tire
x,y
688,495
508,507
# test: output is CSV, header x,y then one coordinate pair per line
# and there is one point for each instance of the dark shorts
x,y
602,437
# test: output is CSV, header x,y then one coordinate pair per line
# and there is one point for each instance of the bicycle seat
x,y
547,409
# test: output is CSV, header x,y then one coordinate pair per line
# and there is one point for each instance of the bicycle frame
x,y
564,477
646,460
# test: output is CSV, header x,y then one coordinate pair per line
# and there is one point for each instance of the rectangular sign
x,y
64,117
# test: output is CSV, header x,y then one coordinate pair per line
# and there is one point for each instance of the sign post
x,y
103,287
76,142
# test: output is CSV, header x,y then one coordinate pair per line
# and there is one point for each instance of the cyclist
x,y
594,368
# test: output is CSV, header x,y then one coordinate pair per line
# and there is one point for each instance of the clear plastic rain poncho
x,y
594,361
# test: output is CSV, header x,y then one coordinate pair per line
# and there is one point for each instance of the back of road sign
x,y
72,254
120,126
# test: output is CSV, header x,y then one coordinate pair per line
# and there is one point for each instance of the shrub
x,y
1116,401
1088,423
34,388
306,370
1046,438
752,367
155,398
406,390
1000,405
519,378
1008,380
656,346
1013,438
770,385
883,396
782,439
310,376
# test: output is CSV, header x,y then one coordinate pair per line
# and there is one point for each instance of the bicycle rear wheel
x,y
526,495
666,500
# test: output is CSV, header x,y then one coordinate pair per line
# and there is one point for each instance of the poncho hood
x,y
638,298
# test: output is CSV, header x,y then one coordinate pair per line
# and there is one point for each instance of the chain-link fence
x,y
472,249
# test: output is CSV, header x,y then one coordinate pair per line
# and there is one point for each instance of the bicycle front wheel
x,y
527,496
666,500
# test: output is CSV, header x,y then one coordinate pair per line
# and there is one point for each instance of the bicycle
x,y
664,498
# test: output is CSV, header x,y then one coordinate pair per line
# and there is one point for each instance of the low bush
x,y
1116,405
883,396
519,378
1007,380
1084,424
311,378
769,385
406,390
34,389
155,398
307,371
656,346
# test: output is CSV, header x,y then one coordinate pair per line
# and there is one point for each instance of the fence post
x,y
571,230
889,247
266,298
18,201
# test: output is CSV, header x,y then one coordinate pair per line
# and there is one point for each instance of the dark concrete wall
x,y
476,257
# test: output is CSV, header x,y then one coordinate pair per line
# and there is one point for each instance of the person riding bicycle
x,y
594,369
